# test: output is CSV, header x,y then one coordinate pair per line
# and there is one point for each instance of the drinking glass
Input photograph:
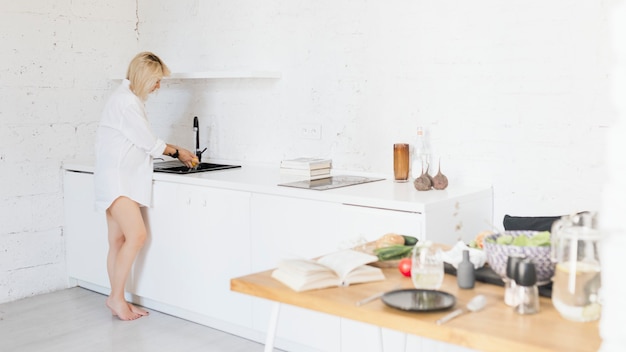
x,y
427,266
401,162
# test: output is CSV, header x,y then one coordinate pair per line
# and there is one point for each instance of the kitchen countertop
x,y
264,178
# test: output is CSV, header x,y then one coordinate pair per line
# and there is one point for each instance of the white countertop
x,y
264,179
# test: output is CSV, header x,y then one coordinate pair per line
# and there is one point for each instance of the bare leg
x,y
127,234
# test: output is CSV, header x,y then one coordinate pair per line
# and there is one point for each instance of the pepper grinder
x,y
465,276
527,291
510,288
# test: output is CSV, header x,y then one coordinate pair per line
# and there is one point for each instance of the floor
x,y
76,319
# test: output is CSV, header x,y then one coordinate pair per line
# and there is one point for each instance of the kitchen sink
x,y
176,167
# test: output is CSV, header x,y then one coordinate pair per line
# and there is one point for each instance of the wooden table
x,y
495,328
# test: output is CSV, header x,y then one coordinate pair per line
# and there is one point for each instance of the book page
x,y
345,261
304,268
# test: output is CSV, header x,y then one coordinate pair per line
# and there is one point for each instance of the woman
x,y
125,147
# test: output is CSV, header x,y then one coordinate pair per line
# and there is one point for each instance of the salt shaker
x,y
510,293
465,276
527,291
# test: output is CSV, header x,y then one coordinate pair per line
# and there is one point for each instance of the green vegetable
x,y
539,239
409,240
394,252
505,239
520,241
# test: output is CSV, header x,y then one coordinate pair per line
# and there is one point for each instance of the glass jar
x,y
577,277
427,266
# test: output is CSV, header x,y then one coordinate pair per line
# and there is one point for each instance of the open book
x,y
336,269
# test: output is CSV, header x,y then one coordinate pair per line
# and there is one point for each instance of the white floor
x,y
76,319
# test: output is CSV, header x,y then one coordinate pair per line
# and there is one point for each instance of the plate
x,y
418,300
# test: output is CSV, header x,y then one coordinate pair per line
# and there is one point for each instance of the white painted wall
x,y
514,94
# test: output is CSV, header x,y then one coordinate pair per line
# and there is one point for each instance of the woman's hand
x,y
185,156
188,158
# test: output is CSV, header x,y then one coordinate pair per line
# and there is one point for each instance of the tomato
x,y
405,266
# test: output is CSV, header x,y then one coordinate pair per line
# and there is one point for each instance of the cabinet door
x,y
285,227
199,241
85,231
370,223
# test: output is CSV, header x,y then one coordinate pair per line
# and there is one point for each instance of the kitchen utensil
x,y
525,276
373,297
475,304
577,278
510,287
416,300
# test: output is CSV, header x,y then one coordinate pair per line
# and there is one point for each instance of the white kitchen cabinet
x,y
369,223
85,231
285,227
199,240
208,228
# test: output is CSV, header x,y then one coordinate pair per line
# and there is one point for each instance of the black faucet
x,y
196,130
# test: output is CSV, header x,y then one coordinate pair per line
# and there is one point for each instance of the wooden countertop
x,y
495,328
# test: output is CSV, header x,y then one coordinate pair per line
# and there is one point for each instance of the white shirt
x,y
125,147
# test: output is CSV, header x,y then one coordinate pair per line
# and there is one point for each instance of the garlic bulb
x,y
440,181
423,183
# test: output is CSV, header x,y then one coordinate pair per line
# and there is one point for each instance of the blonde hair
x,y
144,71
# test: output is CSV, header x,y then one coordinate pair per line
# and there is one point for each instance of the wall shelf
x,y
224,74
220,75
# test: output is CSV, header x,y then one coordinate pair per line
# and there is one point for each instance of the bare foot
x,y
138,310
121,310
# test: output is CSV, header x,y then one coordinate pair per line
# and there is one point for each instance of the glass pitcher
x,y
577,278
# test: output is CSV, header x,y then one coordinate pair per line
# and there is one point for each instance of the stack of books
x,y
310,168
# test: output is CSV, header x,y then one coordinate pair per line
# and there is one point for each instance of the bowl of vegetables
x,y
534,245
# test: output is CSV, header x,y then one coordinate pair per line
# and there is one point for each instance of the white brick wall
x,y
55,60
514,94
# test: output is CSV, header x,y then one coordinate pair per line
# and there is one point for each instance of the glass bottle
x,y
465,276
421,155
